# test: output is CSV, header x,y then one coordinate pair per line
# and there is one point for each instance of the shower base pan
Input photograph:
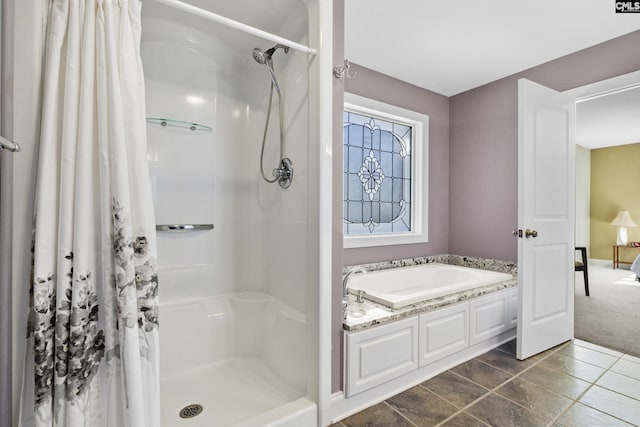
x,y
238,393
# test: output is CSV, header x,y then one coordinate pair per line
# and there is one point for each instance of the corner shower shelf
x,y
179,124
184,227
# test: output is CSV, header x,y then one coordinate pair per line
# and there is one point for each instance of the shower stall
x,y
245,270
238,254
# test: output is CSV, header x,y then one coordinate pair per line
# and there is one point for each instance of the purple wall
x,y
373,85
483,171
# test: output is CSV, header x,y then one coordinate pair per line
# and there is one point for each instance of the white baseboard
x,y
607,263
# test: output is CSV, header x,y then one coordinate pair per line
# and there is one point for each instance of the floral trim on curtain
x,y
131,277
68,343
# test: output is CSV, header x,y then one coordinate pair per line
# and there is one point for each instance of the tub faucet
x,y
345,279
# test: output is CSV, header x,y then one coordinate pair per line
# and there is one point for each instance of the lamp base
x,y
622,237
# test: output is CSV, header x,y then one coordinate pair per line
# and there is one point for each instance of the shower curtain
x,y
93,357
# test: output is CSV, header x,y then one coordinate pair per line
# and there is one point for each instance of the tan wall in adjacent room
x,y
615,186
583,196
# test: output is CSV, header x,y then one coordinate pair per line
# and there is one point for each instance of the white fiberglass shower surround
x,y
239,289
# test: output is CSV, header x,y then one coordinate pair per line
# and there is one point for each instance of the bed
x,y
635,267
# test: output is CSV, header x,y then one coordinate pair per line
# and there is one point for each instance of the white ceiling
x,y
453,46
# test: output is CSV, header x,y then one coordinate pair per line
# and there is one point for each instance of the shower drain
x,y
191,411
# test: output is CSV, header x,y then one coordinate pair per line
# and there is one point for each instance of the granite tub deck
x,y
368,313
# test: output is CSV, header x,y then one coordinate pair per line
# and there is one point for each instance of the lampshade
x,y
623,219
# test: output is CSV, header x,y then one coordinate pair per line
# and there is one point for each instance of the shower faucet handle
x,y
284,173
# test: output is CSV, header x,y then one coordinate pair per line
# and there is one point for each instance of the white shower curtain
x,y
93,329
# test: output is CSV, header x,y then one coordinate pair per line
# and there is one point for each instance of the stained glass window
x,y
385,173
377,174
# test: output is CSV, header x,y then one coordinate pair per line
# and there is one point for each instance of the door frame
x,y
604,87
607,86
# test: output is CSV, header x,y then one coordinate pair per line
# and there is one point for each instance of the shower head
x,y
263,57
260,55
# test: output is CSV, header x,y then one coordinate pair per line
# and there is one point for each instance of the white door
x,y
546,163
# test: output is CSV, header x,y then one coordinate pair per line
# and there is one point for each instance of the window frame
x,y
419,172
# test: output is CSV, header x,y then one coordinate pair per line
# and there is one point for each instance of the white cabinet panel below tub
x,y
512,304
443,332
489,316
380,354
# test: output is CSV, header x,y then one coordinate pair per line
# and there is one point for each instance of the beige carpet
x,y
609,317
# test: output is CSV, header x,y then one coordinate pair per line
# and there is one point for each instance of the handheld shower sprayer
x,y
259,55
263,57
283,174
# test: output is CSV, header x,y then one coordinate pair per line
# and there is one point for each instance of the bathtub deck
x,y
230,392
370,313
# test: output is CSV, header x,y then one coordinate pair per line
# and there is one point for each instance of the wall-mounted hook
x,y
341,72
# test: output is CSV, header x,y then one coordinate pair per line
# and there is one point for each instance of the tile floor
x,y
575,384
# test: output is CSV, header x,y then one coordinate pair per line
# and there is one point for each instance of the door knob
x,y
530,233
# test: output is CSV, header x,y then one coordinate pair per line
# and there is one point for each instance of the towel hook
x,y
340,72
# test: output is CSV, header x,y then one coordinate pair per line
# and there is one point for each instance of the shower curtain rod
x,y
235,24
5,144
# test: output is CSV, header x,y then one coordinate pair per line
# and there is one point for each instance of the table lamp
x,y
623,220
